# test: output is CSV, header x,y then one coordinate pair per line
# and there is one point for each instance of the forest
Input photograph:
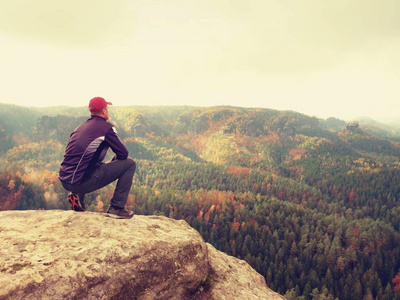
x,y
311,204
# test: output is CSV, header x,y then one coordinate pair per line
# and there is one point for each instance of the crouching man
x,y
83,171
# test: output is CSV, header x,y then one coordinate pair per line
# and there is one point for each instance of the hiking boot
x,y
82,201
119,213
77,203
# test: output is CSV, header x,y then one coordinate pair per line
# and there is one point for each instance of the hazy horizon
x,y
325,59
390,122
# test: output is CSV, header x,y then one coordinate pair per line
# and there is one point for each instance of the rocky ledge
x,y
68,255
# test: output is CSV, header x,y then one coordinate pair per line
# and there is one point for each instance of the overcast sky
x,y
331,58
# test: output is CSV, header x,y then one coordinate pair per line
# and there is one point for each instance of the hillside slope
x,y
311,204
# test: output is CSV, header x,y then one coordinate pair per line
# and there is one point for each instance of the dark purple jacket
x,y
87,147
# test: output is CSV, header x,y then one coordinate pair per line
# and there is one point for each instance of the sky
x,y
331,58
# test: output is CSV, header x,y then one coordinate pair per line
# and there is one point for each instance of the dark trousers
x,y
123,170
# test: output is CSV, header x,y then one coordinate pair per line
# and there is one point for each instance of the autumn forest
x,y
311,204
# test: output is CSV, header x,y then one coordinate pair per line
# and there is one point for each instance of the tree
x,y
396,282
368,295
388,294
356,292
291,295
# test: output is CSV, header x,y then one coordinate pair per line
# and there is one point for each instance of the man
x,y
83,171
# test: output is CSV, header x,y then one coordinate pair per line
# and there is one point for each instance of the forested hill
x,y
311,204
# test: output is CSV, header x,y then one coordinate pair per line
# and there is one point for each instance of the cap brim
x,y
108,103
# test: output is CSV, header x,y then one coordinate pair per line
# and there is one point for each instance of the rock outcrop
x,y
232,278
353,126
70,255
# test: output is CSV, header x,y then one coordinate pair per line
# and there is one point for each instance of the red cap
x,y
98,103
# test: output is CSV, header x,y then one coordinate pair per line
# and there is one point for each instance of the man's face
x,y
105,112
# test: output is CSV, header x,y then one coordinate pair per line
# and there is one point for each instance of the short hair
x,y
97,112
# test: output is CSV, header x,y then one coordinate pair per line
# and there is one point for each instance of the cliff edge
x,y
68,255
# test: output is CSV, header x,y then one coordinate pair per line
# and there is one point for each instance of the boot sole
x,y
113,216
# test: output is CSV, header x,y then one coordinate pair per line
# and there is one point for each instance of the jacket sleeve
x,y
117,146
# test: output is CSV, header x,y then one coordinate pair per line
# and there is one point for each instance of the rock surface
x,y
232,278
68,255
353,127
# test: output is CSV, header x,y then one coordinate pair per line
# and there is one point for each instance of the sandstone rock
x,y
353,127
232,278
70,255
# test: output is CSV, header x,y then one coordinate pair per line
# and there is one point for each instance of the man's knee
x,y
131,164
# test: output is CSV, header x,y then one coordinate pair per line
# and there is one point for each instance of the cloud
x,y
66,23
292,36
264,35
310,55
